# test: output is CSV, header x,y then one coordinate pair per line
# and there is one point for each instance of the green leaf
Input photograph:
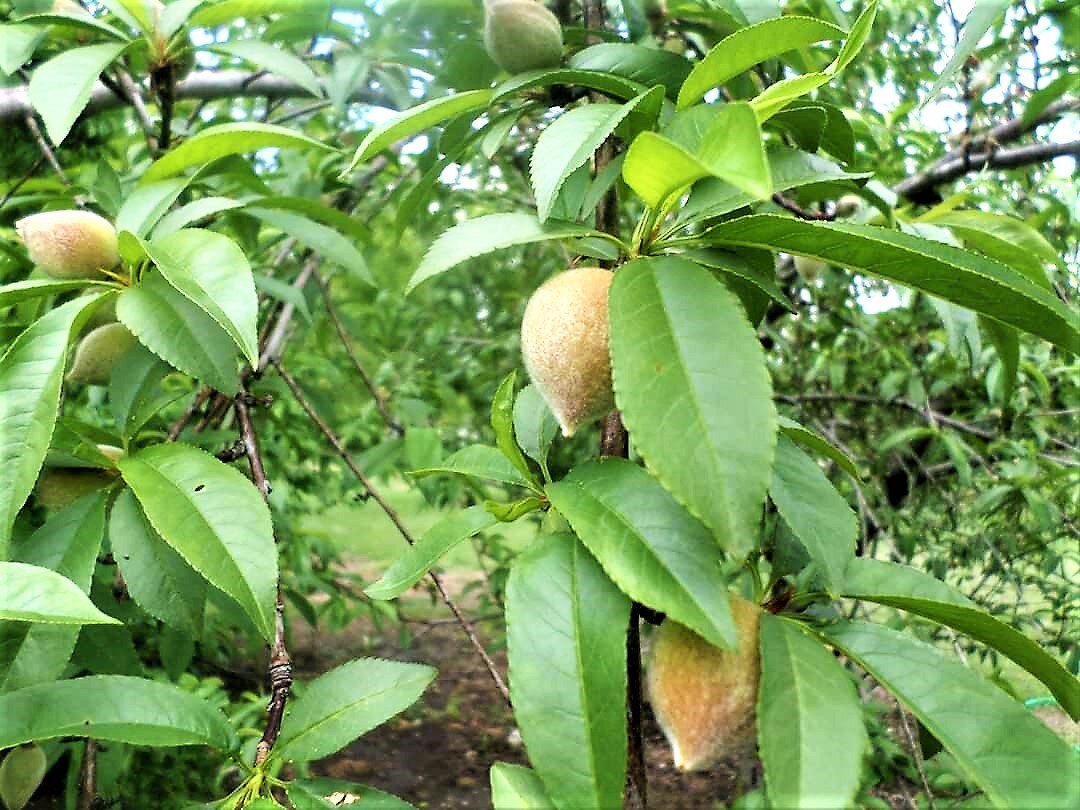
x,y
809,439
411,566
856,38
691,382
30,593
1043,98
569,142
193,501
275,60
638,63
18,41
752,45
566,638
502,422
179,332
613,86
777,96
742,268
478,461
227,139
912,590
313,790
345,703
535,426
31,373
648,544
31,288
147,204
114,708
212,272
285,293
810,723
950,273
813,509
417,119
978,22
486,234
657,167
326,241
516,788
998,744
1006,342
157,578
68,543
135,390
1009,240
192,212
60,89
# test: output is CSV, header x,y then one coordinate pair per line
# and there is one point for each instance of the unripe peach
x,y
98,352
849,204
58,487
808,267
522,35
564,338
704,697
21,773
70,244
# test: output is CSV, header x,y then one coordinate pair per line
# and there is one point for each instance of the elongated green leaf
x,y
179,332
749,46
856,38
614,86
135,390
76,20
777,96
811,440
193,212
810,725
346,702
157,578
516,788
478,461
1007,239
998,744
817,514
912,590
193,501
502,422
417,119
566,637
648,544
18,41
691,382
212,272
740,266
227,139
647,66
68,543
319,793
224,11
30,593
534,426
115,708
1006,342
274,59
486,234
657,167
408,569
951,273
570,141
31,373
323,239
60,88
146,204
31,288
982,15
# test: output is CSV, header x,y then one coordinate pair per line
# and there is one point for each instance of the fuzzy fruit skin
x,y
58,487
522,35
98,352
21,773
564,339
809,268
705,698
70,244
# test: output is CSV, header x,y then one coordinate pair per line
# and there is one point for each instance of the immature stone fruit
x,y
849,204
58,487
70,244
21,773
808,267
522,35
98,352
564,338
704,697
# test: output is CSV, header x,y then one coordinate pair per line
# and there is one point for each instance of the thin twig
x,y
391,513
179,425
88,776
134,94
46,150
19,184
916,753
789,204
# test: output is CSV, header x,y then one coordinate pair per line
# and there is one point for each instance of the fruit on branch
x,y
564,339
808,267
98,352
21,773
704,697
58,487
849,204
70,244
522,35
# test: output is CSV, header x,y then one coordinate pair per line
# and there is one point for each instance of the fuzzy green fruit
x,y
808,267
704,697
564,339
70,244
849,205
58,487
98,352
21,773
522,35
